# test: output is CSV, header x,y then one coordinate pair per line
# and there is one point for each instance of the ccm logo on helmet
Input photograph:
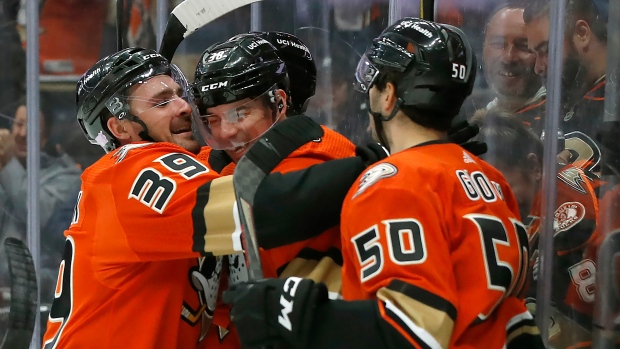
x,y
286,301
152,55
214,86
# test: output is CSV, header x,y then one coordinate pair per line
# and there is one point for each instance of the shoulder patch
x,y
571,176
567,216
122,152
374,174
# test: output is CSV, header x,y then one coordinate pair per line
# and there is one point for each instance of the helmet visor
x,y
235,126
365,74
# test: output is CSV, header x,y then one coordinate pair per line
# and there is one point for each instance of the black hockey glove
x,y
462,132
371,153
275,311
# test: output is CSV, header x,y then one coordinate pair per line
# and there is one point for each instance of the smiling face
x,y
508,63
234,127
160,104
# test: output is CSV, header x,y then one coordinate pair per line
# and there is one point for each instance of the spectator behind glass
x,y
509,65
583,73
59,185
12,61
517,153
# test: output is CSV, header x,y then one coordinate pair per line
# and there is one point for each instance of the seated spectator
x,y
517,153
12,61
509,66
59,186
583,74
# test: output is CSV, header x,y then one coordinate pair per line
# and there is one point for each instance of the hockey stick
x,y
427,10
191,15
24,293
123,17
258,162
120,9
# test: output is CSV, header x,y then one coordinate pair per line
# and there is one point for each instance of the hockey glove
x,y
371,153
275,311
462,133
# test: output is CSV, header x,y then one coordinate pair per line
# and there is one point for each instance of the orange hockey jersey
x,y
302,258
432,233
139,269
317,258
575,231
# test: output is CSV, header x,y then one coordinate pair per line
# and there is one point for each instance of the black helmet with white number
x,y
435,62
247,67
102,91
300,66
234,70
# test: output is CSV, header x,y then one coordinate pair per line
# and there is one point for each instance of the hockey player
x,y
270,83
433,252
243,90
304,186
138,268
301,71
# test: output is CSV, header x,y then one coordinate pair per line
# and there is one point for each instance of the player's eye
x,y
242,114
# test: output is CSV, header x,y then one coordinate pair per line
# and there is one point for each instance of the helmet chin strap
x,y
144,134
378,119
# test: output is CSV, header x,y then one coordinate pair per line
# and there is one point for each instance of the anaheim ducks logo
x,y
372,176
567,216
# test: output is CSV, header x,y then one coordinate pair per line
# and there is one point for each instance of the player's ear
x,y
534,163
581,34
389,98
281,102
117,128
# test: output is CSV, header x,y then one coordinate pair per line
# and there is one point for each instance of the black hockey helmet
x,y
436,63
101,89
234,70
300,66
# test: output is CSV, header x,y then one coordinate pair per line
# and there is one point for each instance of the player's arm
x,y
414,308
167,205
398,252
576,212
382,324
297,312
306,201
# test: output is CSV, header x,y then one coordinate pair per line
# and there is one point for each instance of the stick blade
x,y
246,179
24,294
191,15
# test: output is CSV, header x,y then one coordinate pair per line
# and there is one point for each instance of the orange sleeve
x,y
427,234
395,249
159,204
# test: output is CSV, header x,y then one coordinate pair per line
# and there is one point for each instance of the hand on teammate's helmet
x,y
462,132
371,153
275,311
